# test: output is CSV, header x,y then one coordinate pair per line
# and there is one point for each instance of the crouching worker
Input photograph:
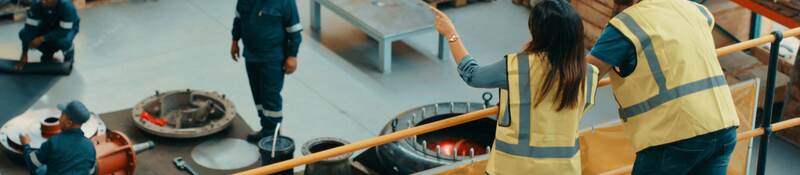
x,y
51,25
69,152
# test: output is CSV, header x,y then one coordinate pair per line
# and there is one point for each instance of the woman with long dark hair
x,y
544,91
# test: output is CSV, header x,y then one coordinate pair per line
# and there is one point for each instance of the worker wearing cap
x,y
673,98
68,152
51,25
270,32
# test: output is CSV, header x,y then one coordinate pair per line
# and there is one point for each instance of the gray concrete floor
x,y
127,51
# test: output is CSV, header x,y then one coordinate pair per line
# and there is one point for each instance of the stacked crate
x,y
595,14
454,3
83,4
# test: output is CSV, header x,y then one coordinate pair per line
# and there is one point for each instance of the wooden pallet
x,y
454,3
84,4
12,12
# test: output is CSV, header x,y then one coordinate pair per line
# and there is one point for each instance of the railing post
x,y
766,120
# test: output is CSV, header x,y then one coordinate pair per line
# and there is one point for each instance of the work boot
x,y
255,136
48,58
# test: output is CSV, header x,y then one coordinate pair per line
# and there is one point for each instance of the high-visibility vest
x,y
678,90
533,139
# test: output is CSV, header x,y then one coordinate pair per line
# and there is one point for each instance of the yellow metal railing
x,y
465,118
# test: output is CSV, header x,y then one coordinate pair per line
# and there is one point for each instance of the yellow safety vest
x,y
678,90
534,139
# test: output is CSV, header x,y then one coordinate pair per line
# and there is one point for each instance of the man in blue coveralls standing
x,y
51,25
270,31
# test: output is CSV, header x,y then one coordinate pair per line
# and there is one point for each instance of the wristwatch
x,y
452,38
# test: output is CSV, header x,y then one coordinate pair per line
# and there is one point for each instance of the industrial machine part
x,y
183,166
50,126
339,165
225,154
9,66
184,113
39,124
282,147
116,154
440,147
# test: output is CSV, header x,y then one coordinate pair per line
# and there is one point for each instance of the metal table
x,y
384,20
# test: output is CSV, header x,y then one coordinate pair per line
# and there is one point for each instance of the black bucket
x,y
284,150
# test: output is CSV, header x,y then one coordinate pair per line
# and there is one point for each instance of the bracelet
x,y
452,38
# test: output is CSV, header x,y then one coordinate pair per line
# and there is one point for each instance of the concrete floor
x,y
127,51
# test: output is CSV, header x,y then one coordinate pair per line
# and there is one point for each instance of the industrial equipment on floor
x,y
184,113
116,154
440,147
40,125
339,165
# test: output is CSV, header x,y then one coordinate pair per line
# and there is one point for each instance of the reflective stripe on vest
x,y
664,95
538,151
523,148
589,87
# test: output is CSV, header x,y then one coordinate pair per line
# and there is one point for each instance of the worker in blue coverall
x,y
51,25
270,31
66,153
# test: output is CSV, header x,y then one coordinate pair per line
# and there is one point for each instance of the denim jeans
x,y
706,154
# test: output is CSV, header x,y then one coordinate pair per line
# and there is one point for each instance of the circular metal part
x,y
442,147
50,126
331,166
30,123
115,153
184,113
225,154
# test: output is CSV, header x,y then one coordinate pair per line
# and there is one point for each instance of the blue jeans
x,y
266,82
706,154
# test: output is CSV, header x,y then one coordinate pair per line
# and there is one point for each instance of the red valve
x,y
152,119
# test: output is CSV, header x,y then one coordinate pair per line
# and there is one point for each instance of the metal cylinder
x,y
116,154
284,150
50,127
339,165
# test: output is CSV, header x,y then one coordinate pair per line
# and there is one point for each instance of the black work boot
x,y
254,136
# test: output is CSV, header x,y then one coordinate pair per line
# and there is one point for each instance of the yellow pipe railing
x,y
368,143
457,120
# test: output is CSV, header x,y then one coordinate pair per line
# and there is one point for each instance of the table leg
x,y
444,48
385,56
315,16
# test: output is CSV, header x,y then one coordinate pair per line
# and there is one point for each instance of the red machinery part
x,y
116,154
50,127
152,119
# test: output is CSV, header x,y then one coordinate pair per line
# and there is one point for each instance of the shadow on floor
x,y
19,92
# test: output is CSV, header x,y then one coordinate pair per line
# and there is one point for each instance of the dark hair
x,y
557,32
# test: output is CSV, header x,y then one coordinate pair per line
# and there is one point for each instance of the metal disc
x,y
29,123
225,154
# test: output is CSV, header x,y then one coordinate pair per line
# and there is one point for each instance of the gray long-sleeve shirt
x,y
491,76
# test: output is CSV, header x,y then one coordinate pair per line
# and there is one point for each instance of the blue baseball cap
x,y
75,111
